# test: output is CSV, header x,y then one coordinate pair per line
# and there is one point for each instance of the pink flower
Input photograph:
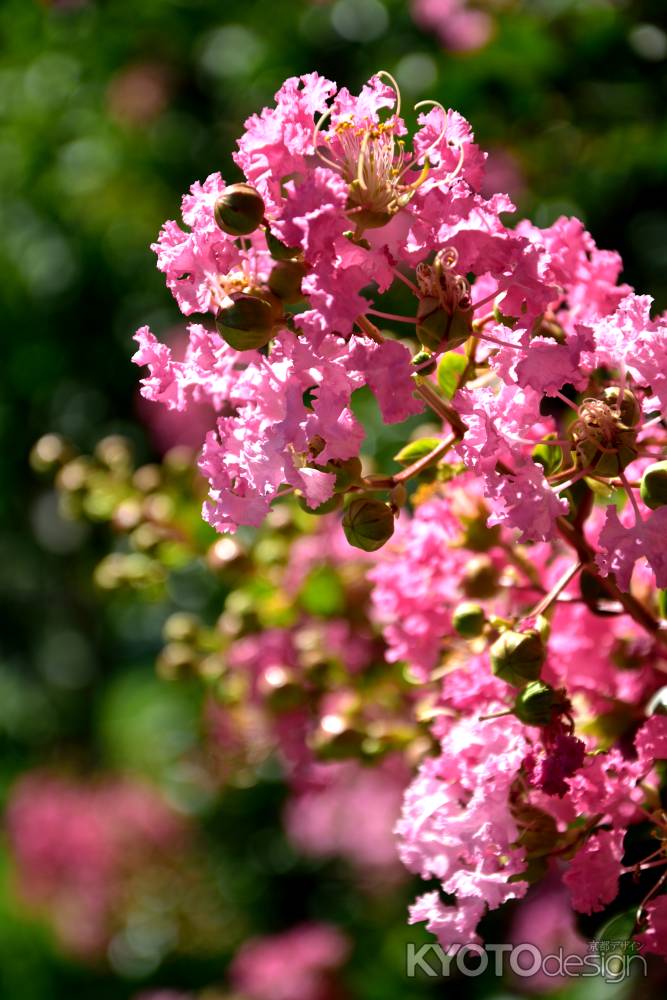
x,y
560,757
654,938
75,844
592,875
621,546
545,919
322,816
651,740
416,585
196,261
294,965
457,824
457,26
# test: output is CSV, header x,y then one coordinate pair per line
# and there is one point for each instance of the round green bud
x,y
468,619
285,280
247,323
534,705
425,362
480,578
653,489
438,328
368,523
239,210
658,703
478,536
517,657
344,745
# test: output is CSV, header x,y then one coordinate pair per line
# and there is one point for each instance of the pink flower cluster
x,y
542,497
75,845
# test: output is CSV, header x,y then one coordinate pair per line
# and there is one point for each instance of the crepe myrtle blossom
x,y
476,820
340,208
517,545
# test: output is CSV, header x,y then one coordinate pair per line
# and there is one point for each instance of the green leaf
x,y
617,933
450,369
662,603
549,456
415,450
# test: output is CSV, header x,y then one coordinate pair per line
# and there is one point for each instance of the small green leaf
x,y
415,450
549,456
662,603
450,369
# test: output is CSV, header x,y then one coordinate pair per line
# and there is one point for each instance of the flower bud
x,y
247,323
438,328
337,739
654,485
368,523
424,361
517,657
480,578
534,705
478,536
285,280
239,210
468,619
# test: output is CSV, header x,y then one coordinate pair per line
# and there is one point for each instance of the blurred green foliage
x,y
108,111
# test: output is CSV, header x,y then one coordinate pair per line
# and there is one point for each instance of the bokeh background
x,y
109,109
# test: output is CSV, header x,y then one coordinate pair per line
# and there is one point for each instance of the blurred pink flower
x,y
74,843
545,919
456,24
294,965
322,815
